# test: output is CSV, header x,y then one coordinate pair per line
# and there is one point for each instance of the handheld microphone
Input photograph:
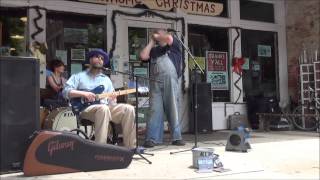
x,y
172,30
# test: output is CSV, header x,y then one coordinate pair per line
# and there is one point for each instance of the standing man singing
x,y
164,53
80,84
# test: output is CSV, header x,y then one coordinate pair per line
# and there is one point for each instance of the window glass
x,y
204,39
13,37
71,36
259,76
256,11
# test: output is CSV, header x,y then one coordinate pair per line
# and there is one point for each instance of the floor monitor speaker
x,y
237,142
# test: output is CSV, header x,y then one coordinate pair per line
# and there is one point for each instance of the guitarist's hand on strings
x,y
89,96
113,96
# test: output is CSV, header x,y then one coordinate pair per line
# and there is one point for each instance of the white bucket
x,y
201,152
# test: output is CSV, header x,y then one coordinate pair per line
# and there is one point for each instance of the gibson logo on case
x,y
54,146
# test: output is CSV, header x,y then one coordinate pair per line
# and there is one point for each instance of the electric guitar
x,y
78,104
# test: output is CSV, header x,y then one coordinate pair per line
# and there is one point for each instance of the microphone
x,y
107,70
172,30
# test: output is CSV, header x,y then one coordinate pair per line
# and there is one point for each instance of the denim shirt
x,y
86,82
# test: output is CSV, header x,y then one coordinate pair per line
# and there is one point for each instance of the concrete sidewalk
x,y
274,155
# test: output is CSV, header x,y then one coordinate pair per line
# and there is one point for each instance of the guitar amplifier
x,y
235,120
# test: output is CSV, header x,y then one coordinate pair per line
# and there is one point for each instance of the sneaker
x,y
178,143
149,144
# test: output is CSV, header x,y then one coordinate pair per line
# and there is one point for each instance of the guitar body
x,y
78,104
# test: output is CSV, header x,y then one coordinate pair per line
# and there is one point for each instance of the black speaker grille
x,y
204,113
235,140
19,108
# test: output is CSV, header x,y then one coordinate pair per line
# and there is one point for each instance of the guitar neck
x,y
116,93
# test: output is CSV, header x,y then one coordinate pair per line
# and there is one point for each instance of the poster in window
x,y
78,54
246,65
216,61
264,51
218,80
217,72
140,71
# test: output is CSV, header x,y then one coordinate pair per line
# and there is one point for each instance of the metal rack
x,y
307,78
316,67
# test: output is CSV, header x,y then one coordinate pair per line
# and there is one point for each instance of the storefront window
x,y
13,23
256,11
259,50
204,43
138,39
71,36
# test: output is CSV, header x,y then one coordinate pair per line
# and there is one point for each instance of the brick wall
x,y
303,26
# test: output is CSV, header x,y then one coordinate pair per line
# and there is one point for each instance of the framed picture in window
x,y
78,54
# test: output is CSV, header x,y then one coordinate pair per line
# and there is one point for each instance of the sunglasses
x,y
98,56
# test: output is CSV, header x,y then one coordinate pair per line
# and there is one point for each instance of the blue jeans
x,y
164,100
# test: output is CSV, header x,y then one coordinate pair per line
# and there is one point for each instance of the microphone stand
x,y
138,150
195,95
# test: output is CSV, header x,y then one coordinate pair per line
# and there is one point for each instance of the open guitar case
x,y
55,152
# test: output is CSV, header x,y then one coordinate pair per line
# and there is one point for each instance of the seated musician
x,y
52,95
56,81
81,84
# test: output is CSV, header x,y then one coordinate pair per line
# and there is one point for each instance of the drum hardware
x,y
44,112
61,119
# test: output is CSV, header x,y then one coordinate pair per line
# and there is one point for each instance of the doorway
x,y
260,69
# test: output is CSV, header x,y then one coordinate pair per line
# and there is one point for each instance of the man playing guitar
x,y
80,85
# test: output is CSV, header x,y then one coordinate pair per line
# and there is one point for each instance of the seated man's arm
x,y
70,90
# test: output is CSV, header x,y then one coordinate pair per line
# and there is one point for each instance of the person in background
x,y
164,53
51,97
55,80
80,85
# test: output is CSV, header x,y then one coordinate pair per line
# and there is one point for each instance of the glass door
x,y
260,69
260,79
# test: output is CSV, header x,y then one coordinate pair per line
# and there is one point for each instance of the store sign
x,y
217,72
188,6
